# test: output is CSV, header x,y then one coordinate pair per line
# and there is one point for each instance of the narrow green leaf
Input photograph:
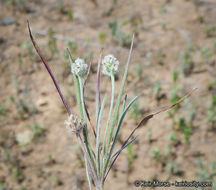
x,y
120,122
116,108
77,87
117,131
98,136
125,146
110,113
98,99
117,154
123,106
88,174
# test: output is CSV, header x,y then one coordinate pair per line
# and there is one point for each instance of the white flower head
x,y
79,67
73,124
110,65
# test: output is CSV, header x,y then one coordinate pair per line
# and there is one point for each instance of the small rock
x,y
24,138
42,102
7,21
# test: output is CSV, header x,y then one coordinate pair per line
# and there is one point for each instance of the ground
x,y
174,52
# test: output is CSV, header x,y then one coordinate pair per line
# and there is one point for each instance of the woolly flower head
x,y
73,124
110,65
79,67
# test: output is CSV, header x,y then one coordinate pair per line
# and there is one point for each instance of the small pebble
x,y
7,21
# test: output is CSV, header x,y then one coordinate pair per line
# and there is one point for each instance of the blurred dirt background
x,y
174,52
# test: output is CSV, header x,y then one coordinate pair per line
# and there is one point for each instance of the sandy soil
x,y
28,99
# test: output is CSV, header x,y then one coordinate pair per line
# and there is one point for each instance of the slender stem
x,y
88,174
105,146
98,160
82,98
88,146
91,168
98,101
77,87
100,187
111,106
110,113
98,117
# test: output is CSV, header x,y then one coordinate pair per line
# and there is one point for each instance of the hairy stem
x,y
105,146
86,155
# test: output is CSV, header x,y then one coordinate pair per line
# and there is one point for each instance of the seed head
x,y
79,67
73,124
110,65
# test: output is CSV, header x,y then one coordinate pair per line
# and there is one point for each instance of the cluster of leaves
x,y
211,113
207,53
210,31
130,155
26,137
26,45
8,158
135,112
62,10
19,4
52,42
187,64
23,101
2,110
206,172
118,35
